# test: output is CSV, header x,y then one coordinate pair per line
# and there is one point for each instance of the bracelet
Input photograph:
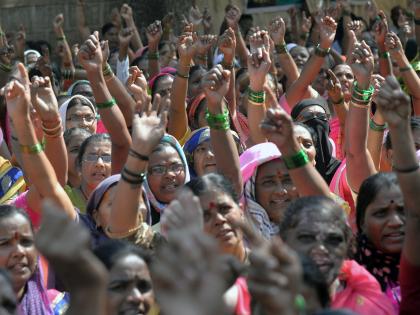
x,y
408,68
5,68
255,103
256,97
62,38
300,304
107,104
138,179
365,94
68,74
153,56
138,155
218,121
227,66
52,132
184,76
304,36
133,174
123,234
375,127
32,149
107,70
405,170
281,49
384,55
321,52
297,160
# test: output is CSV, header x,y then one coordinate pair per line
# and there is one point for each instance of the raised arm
x,y
20,44
81,19
395,108
336,98
311,69
232,16
359,162
154,33
37,167
380,30
126,13
278,128
216,85
90,57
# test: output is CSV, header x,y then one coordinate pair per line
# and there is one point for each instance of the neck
x,y
73,180
20,291
86,189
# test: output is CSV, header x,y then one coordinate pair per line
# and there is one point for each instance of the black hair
x,y
370,187
311,206
203,184
136,61
312,277
110,251
162,145
414,124
77,101
6,211
157,81
69,133
37,45
310,130
106,27
194,69
395,12
99,137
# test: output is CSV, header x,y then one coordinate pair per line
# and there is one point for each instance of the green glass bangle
x,y
300,304
281,49
61,38
384,55
256,99
153,56
375,127
217,117
32,149
178,74
227,66
5,68
320,52
297,160
219,126
365,95
107,70
408,68
107,104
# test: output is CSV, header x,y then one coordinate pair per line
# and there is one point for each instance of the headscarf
x,y
192,108
73,86
35,300
250,160
63,108
164,71
157,205
326,164
28,52
196,138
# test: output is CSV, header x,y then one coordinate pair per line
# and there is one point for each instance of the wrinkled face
x,y
81,116
300,55
194,83
112,37
164,86
166,173
320,82
321,237
204,160
306,143
103,214
165,55
218,208
72,151
384,220
8,301
274,189
96,164
345,75
17,249
130,290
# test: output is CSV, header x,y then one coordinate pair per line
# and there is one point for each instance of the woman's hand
x,y
277,30
125,35
306,23
393,45
186,47
207,21
362,62
137,85
149,126
259,61
215,84
233,14
126,13
44,100
195,16
327,30
393,103
90,54
380,29
18,95
58,23
335,92
204,43
154,33
227,45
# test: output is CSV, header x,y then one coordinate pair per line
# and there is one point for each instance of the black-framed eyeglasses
x,y
175,168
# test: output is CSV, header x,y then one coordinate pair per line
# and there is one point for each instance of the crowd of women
x,y
270,169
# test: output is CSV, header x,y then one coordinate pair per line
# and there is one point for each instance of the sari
x,y
12,182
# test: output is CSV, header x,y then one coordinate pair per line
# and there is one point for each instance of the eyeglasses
x,y
78,119
94,158
176,168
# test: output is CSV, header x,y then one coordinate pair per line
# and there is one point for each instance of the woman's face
x,y
306,143
345,75
166,173
241,96
194,83
8,301
321,237
81,116
130,288
17,249
72,151
310,112
204,160
96,164
202,122
164,86
103,214
85,90
300,55
218,209
384,220
274,189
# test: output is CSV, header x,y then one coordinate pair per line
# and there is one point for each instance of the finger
x,y
392,82
156,102
251,234
23,74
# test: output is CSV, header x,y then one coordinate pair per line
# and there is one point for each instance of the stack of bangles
x,y
218,121
131,177
107,104
54,132
5,68
281,49
376,127
153,56
297,160
256,98
107,72
68,73
33,149
361,98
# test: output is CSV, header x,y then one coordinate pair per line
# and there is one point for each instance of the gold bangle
x,y
357,105
121,235
51,130
255,103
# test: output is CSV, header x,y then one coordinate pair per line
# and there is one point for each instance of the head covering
x,y
63,108
192,109
35,300
196,138
30,51
250,160
290,46
73,86
157,205
326,164
97,195
164,71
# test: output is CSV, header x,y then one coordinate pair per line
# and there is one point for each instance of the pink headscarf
x,y
164,71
